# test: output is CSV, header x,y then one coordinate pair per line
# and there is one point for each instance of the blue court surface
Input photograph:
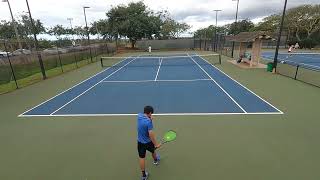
x,y
306,59
172,85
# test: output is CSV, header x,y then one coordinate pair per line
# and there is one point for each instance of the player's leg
x,y
142,154
151,148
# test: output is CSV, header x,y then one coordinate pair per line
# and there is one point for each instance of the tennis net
x,y
303,67
163,60
300,57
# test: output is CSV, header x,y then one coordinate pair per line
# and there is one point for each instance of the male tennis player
x,y
290,50
149,49
146,139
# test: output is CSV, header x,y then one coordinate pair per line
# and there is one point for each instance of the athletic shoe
x,y
145,177
157,162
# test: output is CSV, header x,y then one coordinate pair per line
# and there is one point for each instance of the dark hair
x,y
148,110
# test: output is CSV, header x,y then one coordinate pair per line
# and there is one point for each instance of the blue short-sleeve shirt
x,y
144,125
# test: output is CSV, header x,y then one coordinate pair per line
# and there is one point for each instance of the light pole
x,y
73,42
97,32
235,22
87,29
275,60
14,24
36,43
215,29
70,21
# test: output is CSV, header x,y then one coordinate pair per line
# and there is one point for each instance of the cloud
x,y
255,10
197,13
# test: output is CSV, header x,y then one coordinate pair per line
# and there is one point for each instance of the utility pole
x,y
36,43
235,22
14,24
215,31
70,21
275,60
87,29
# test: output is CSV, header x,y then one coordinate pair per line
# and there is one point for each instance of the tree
x,y
81,32
304,20
168,28
154,26
269,24
44,43
172,29
104,28
302,24
241,26
6,30
209,31
131,21
135,21
25,27
58,31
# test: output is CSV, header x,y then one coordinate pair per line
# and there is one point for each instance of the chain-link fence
x,y
184,43
19,68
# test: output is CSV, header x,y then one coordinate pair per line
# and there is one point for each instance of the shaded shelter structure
x,y
252,59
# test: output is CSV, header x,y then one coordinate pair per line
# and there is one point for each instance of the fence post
x,y
205,40
101,62
96,53
107,48
212,43
194,41
75,56
59,56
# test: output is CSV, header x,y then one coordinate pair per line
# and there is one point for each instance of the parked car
x,y
21,51
54,50
4,54
80,48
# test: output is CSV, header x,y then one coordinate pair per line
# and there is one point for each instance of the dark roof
x,y
249,36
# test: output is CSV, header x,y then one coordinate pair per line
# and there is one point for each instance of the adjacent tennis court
x,y
306,59
173,84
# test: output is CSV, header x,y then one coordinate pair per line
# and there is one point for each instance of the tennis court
x,y
305,59
186,84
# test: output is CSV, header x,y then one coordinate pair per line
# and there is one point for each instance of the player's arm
x,y
153,138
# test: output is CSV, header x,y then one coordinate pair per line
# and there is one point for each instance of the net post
x,y
295,76
219,58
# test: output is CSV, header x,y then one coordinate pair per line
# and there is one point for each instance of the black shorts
x,y
143,148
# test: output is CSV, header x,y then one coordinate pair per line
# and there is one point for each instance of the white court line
x,y
92,86
219,86
73,86
155,79
184,80
139,81
243,86
160,114
169,80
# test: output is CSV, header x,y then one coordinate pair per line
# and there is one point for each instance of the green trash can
x,y
270,67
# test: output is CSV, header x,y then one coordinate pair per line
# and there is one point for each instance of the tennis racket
x,y
169,136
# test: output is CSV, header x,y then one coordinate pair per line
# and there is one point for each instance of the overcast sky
x,y
197,13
